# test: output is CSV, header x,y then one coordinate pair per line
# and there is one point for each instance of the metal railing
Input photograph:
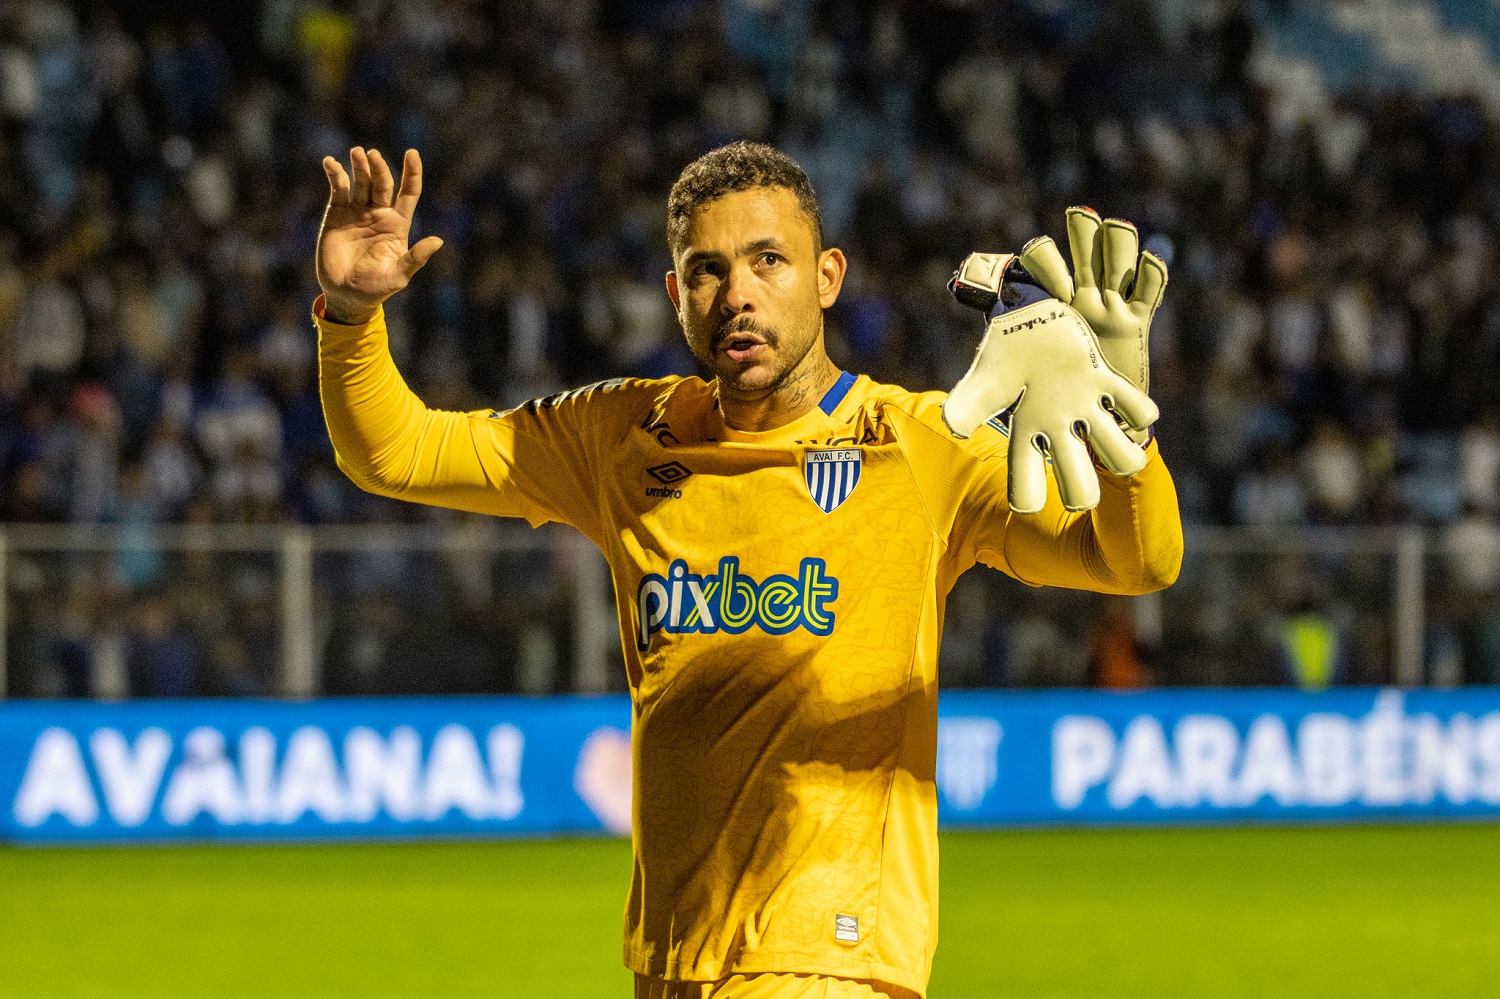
x,y
1382,576
1408,548
296,550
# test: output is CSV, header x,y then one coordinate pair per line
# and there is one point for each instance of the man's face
x,y
750,287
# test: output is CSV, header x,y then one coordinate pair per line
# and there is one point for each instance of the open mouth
x,y
741,339
743,346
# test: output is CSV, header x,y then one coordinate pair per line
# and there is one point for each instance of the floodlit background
x,y
1321,176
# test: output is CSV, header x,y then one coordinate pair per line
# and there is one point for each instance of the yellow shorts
x,y
770,986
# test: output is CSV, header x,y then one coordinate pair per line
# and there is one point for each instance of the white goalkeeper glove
x,y
1114,287
1040,361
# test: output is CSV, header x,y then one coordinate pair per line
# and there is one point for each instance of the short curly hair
x,y
739,166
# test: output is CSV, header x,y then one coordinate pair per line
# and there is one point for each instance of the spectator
x,y
1332,474
1479,462
1312,653
1115,660
1271,495
171,469
161,660
247,487
49,325
237,413
12,293
92,456
1351,322
1471,548
979,96
139,562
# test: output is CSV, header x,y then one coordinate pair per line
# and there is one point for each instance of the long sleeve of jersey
x,y
1130,543
508,464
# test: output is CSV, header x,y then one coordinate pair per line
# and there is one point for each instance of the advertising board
x,y
413,767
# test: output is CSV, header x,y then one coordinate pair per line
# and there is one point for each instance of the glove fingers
x,y
985,390
1119,245
1077,482
1044,261
1116,451
1150,285
1083,228
1028,474
971,403
1131,403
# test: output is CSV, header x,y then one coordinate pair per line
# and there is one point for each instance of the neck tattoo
x,y
803,388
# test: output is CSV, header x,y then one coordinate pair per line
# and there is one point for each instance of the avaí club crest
x,y
831,475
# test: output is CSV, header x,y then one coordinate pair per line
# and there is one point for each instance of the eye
x,y
770,259
708,268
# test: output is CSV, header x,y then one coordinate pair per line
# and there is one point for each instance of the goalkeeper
x,y
782,537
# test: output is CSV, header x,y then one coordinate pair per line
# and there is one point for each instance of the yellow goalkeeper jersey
x,y
781,603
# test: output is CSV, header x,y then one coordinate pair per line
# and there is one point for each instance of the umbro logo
x,y
669,474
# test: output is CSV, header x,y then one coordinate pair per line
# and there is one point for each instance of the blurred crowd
x,y
1327,353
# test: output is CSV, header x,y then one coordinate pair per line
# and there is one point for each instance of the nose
x,y
737,292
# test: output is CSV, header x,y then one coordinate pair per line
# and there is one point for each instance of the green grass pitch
x,y
1358,912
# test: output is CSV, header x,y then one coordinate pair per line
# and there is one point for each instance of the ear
x,y
674,294
831,268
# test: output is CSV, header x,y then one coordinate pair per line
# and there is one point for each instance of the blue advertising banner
x,y
161,770
398,767
1214,756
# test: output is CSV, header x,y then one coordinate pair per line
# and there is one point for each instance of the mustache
x,y
744,324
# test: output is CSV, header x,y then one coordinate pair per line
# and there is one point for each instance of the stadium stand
x,y
1327,358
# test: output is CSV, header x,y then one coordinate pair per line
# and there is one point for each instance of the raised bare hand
x,y
362,256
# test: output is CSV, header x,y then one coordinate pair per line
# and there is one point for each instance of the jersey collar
x,y
836,393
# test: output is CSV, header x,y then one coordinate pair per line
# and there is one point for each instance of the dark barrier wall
x,y
154,770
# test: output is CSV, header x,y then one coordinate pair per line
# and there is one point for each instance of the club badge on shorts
x,y
831,475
